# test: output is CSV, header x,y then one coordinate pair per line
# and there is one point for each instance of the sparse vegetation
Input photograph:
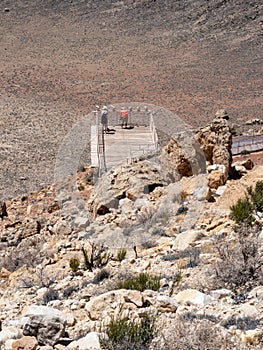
x,y
244,152
121,255
141,282
98,256
244,209
74,264
101,275
240,266
126,334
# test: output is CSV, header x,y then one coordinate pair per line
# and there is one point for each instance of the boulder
x,y
165,304
216,178
216,141
111,303
9,333
185,239
125,181
24,343
89,342
44,323
246,163
193,297
182,157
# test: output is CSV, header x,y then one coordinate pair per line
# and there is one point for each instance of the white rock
x,y
166,304
193,297
89,342
257,292
9,333
184,239
221,293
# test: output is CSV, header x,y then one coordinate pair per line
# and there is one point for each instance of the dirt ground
x,y
59,59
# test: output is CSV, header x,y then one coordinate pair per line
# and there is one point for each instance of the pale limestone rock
x,y
253,336
246,163
221,293
25,343
165,304
185,239
44,323
193,297
215,141
9,333
248,310
89,342
257,292
216,178
113,302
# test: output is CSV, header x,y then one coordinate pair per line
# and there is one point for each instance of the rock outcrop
x,y
215,141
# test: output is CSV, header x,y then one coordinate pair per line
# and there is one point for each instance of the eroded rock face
x,y
181,157
125,181
216,140
44,323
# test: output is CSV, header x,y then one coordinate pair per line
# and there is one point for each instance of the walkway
x,y
123,145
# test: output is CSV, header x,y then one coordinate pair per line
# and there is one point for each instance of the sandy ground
x,y
59,59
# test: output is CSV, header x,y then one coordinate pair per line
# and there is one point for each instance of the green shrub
x,y
141,282
74,264
256,196
244,152
242,211
125,334
81,188
121,255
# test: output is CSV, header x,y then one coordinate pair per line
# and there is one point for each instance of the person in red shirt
x,y
124,117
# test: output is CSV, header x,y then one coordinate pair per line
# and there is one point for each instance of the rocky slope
x,y
210,289
61,58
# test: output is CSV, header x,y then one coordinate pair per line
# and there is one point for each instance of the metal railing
x,y
251,143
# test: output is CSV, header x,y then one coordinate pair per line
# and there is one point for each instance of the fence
x,y
251,143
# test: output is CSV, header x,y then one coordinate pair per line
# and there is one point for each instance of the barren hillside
x,y
58,59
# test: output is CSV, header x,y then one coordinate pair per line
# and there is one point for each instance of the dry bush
x,y
28,252
187,332
240,265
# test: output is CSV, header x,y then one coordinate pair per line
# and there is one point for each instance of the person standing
x,y
124,117
104,119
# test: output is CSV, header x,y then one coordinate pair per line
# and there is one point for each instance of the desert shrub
x,y
68,291
244,323
240,265
191,253
98,256
121,255
101,275
186,332
125,334
50,295
242,211
141,282
244,152
74,264
256,196
28,252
